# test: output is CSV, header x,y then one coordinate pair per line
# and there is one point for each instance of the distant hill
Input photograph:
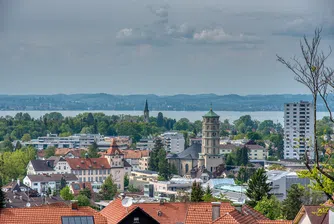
x,y
180,102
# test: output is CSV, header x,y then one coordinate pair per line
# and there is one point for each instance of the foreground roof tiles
x,y
47,214
169,212
202,212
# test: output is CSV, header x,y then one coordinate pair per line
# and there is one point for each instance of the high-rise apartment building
x,y
298,130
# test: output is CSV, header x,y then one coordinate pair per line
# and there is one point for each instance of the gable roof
x,y
138,209
42,165
47,214
113,148
170,212
135,154
250,211
88,163
254,147
190,153
52,177
311,212
235,217
202,212
228,146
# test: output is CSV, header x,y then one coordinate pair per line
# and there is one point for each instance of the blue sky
x,y
160,47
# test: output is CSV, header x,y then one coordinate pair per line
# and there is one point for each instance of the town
x,y
248,169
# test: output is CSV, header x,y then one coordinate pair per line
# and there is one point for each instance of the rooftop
x,y
211,114
89,163
52,177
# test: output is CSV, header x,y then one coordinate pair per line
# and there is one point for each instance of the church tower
x,y
146,113
210,156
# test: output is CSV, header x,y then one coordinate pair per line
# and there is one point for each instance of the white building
x,y
41,183
298,130
74,141
58,165
281,181
145,144
173,141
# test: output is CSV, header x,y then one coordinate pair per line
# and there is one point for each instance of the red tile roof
x,y
311,212
274,221
89,163
202,212
171,212
250,211
135,154
46,214
235,217
76,187
113,148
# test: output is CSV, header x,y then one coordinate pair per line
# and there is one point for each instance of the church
x,y
201,157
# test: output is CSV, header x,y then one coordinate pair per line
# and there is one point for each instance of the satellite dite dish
x,y
127,202
28,205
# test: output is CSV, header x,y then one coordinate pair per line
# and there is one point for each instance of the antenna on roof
x,y
127,202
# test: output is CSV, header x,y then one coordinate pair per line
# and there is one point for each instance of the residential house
x,y
69,153
139,178
19,195
41,183
309,214
173,141
54,165
189,213
257,152
225,149
75,188
90,169
133,157
143,163
145,144
58,213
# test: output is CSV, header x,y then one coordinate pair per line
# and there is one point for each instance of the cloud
x,y
182,31
305,26
130,36
219,36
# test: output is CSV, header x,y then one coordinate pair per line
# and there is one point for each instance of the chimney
x,y
215,210
74,204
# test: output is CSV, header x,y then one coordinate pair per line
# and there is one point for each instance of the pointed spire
x,y
146,106
113,148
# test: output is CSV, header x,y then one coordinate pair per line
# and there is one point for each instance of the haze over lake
x,y
276,116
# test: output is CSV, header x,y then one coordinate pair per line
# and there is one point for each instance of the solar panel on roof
x,y
77,220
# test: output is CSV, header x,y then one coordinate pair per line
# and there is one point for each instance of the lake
x,y
276,116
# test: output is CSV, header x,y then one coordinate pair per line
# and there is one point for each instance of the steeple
x,y
113,148
146,113
146,107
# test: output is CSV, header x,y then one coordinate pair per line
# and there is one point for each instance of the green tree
x,y
66,194
86,192
50,151
108,189
26,138
62,183
270,207
254,136
207,197
229,162
160,120
242,156
83,200
276,167
93,151
293,201
18,145
2,196
132,189
244,174
257,187
154,159
196,192
173,169
126,180
164,167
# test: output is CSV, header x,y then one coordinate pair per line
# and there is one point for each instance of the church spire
x,y
146,113
146,107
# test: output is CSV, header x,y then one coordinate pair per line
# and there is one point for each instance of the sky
x,y
156,47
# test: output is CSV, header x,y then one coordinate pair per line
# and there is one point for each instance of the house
x,y
58,213
19,195
41,183
75,188
133,157
139,178
227,148
309,214
90,169
53,165
143,163
69,153
138,215
189,213
257,152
